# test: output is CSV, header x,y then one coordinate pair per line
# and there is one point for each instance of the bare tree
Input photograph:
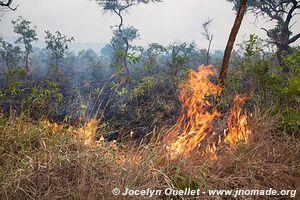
x,y
208,36
232,37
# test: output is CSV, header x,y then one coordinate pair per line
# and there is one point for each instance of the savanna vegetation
x,y
78,125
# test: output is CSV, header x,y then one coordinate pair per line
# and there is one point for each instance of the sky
x,y
166,22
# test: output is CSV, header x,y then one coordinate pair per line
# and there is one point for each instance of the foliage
x,y
44,99
120,5
57,43
180,55
15,85
282,12
28,35
147,83
9,54
118,43
290,120
257,75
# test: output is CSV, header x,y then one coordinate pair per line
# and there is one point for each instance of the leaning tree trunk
x,y
234,31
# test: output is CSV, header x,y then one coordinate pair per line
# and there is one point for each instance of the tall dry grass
x,y
37,164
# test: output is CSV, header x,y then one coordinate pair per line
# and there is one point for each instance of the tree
x,y
28,35
234,31
118,42
9,54
119,7
121,45
180,55
58,44
208,36
282,12
150,57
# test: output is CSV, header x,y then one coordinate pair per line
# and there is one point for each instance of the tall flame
x,y
194,128
197,114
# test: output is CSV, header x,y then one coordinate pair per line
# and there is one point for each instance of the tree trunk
x,y
283,48
231,40
282,51
208,53
27,62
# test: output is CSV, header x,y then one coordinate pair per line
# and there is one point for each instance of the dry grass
x,y
35,164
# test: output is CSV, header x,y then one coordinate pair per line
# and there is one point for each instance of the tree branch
x,y
290,13
8,5
294,39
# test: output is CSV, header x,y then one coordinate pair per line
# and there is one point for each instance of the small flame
x,y
54,127
86,133
194,128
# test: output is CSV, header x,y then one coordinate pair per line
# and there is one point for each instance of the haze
x,y
166,22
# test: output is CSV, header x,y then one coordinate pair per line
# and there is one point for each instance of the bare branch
x,y
8,5
208,36
294,39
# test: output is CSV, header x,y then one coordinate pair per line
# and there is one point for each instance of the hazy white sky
x,y
166,22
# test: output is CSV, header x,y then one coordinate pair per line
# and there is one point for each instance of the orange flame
x,y
237,122
86,133
194,128
53,127
197,114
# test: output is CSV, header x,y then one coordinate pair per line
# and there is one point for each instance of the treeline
x,y
133,88
64,86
